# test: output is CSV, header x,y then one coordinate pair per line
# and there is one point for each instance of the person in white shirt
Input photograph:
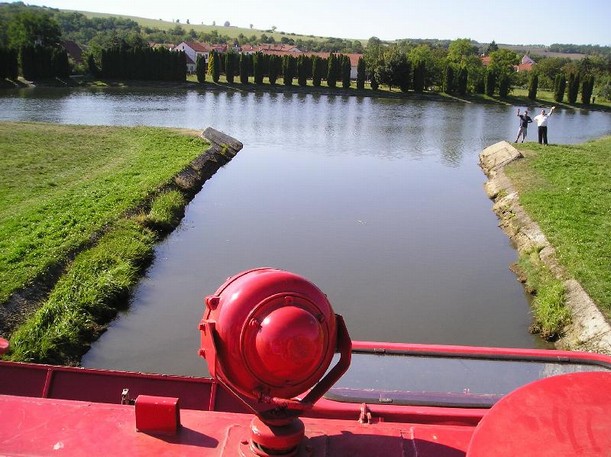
x,y
541,120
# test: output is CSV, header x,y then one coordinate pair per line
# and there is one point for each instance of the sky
x,y
509,22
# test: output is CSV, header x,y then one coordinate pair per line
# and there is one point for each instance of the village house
x,y
193,50
526,64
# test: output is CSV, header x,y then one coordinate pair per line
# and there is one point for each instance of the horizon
x,y
389,20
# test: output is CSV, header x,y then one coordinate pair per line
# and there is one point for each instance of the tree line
x,y
335,69
30,45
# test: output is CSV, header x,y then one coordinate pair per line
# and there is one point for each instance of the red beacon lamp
x,y
269,337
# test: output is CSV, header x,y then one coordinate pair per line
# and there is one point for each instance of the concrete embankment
x,y
222,149
588,330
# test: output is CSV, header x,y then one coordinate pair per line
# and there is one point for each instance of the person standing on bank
x,y
541,120
524,121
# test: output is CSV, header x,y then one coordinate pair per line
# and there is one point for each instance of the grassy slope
x,y
567,190
59,185
232,32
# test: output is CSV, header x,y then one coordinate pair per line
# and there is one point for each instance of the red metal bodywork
x,y
269,338
45,409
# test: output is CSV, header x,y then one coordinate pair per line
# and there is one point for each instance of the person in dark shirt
x,y
524,121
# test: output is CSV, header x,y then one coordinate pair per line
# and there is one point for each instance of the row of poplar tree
x,y
334,70
44,62
40,62
34,62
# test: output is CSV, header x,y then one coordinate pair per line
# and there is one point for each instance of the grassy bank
x,y
65,189
567,190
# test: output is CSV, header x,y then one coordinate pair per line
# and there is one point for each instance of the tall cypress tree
x,y
559,87
463,76
200,69
490,82
573,88
346,67
332,71
419,74
587,87
275,67
360,74
448,80
504,85
289,69
302,71
317,71
230,66
258,67
244,68
213,66
533,85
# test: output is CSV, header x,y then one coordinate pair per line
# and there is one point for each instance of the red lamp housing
x,y
270,335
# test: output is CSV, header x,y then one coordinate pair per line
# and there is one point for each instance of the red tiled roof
x,y
272,49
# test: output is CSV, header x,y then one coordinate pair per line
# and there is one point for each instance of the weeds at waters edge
x,y
94,288
550,315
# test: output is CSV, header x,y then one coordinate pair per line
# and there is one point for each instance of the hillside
x,y
235,33
230,31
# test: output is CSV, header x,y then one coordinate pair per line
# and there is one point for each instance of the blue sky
x,y
511,22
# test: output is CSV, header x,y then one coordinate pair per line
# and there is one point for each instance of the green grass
x,y
567,190
546,97
60,186
550,314
89,295
232,32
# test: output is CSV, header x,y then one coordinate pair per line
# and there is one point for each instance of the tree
x,y
200,69
504,85
244,68
275,67
360,74
230,59
214,69
258,67
289,67
461,51
317,71
491,48
419,75
33,28
302,78
559,87
533,83
461,83
587,87
333,70
9,67
448,80
573,87
490,85
346,68
395,69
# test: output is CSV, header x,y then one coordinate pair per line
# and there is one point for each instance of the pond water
x,y
379,202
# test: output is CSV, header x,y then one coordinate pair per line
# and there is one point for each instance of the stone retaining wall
x,y
589,330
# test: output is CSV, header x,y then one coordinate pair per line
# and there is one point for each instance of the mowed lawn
x,y
566,189
60,185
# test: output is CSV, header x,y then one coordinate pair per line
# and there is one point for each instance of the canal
x,y
377,201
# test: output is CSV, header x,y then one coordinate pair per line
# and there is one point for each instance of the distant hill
x,y
230,31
